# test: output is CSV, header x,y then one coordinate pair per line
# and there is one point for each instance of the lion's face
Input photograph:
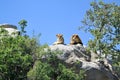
x,y
75,37
59,36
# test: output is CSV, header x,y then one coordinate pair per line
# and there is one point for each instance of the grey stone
x,y
95,69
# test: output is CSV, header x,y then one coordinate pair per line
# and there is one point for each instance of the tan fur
x,y
60,39
75,39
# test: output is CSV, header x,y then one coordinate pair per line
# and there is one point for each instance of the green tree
x,y
16,56
23,24
103,22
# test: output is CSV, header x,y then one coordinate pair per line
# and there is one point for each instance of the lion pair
x,y
75,39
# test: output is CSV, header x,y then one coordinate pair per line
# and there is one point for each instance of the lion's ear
x,y
56,34
73,35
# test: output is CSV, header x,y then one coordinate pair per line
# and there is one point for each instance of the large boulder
x,y
95,69
11,30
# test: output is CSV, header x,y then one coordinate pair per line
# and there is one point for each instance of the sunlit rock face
x,y
95,69
10,29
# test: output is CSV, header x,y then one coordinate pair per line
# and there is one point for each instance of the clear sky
x,y
48,17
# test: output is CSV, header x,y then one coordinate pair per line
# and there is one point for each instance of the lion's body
x,y
60,39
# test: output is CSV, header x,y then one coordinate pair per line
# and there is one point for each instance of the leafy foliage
x,y
16,56
23,24
22,58
49,67
103,22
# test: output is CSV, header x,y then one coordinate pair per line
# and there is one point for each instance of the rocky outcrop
x,y
11,29
95,69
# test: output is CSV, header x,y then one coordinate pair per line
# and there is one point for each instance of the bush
x,y
16,57
51,68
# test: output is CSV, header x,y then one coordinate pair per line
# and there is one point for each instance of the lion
x,y
60,39
75,39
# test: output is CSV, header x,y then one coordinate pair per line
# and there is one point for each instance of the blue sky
x,y
48,17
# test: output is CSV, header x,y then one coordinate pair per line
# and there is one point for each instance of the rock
x,y
95,69
11,29
71,51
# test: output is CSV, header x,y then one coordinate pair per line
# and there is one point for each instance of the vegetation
x,y
23,24
51,68
23,58
103,22
16,56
